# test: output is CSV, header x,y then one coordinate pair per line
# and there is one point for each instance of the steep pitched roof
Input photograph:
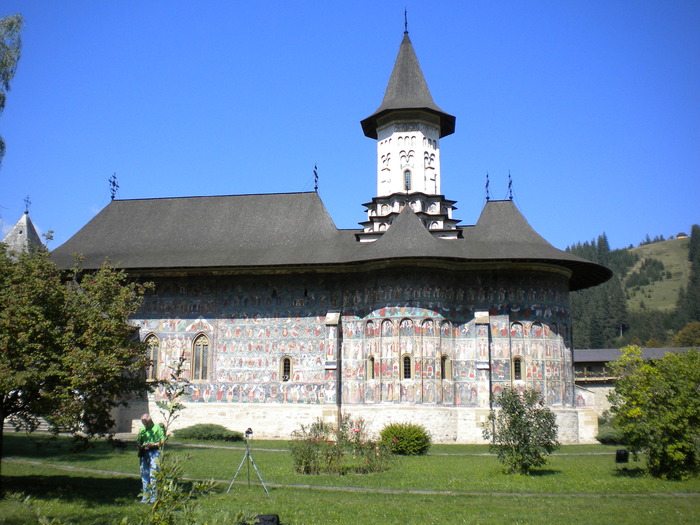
x,y
407,89
23,235
238,230
503,233
280,231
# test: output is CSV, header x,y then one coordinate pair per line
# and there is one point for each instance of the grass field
x,y
662,295
453,484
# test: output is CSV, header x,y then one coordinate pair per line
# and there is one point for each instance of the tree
x,y
10,47
689,336
523,433
688,305
67,352
657,409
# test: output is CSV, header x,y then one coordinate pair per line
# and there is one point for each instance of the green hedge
x,y
208,432
407,439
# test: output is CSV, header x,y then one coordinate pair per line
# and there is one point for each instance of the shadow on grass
x,y
75,488
625,472
544,472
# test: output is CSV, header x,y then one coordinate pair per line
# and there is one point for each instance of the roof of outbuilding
x,y
23,235
407,89
295,229
605,355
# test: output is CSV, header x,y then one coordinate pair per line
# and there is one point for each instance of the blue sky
x,y
593,107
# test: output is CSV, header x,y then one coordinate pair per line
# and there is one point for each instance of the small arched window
x,y
152,348
407,367
286,368
445,372
407,180
200,358
517,368
370,367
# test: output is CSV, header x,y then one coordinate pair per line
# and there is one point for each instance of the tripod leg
x,y
259,476
237,471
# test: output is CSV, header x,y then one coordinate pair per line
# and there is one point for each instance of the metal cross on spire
x,y
315,178
27,202
510,187
405,20
488,195
113,186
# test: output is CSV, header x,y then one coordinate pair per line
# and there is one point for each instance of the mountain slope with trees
x,y
653,294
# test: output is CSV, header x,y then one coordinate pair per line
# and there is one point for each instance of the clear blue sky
x,y
593,106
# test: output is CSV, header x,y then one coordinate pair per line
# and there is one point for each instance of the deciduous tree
x,y
657,409
67,351
523,432
10,47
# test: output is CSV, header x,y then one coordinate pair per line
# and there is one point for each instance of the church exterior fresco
x,y
373,331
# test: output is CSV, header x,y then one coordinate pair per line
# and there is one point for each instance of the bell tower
x,y
408,126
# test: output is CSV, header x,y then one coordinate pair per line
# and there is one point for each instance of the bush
x,y
607,434
208,432
323,448
406,439
523,433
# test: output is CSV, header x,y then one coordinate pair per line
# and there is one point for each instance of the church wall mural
x,y
409,339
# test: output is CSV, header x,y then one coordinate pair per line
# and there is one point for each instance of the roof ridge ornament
x,y
113,186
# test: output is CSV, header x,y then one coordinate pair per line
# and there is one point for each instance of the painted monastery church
x,y
283,318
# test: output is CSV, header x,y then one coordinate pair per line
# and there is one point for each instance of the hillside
x,y
666,268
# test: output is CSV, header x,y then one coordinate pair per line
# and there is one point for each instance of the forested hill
x,y
654,293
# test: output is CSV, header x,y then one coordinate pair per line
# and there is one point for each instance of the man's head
x,y
147,421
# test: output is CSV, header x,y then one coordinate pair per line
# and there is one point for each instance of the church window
x,y
200,358
407,180
286,368
152,348
517,368
370,367
445,368
407,367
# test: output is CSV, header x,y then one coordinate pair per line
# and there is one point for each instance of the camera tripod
x,y
248,456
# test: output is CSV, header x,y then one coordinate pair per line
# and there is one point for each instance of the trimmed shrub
x,y
208,432
407,439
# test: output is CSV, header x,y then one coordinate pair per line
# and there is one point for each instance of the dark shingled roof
x,y
295,229
407,89
605,355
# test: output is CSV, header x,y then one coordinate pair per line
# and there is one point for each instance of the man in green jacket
x,y
149,440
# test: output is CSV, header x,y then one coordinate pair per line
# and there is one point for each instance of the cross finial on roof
x,y
510,187
488,195
405,20
315,178
113,186
27,202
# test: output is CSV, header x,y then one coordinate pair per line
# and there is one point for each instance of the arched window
x,y
407,180
407,367
152,348
370,367
200,358
517,369
445,368
286,368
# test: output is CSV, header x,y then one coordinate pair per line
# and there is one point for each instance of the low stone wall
x,y
445,424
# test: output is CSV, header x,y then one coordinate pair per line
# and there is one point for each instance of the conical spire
x,y
23,236
407,89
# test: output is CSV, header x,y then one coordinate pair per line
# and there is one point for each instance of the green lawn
x,y
453,484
